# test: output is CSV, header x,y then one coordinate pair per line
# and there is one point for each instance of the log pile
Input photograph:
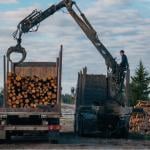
x,y
140,118
31,92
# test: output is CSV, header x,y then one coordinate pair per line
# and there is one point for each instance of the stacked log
x,y
31,92
140,120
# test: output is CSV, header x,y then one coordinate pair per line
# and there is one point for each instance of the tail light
x,y
54,127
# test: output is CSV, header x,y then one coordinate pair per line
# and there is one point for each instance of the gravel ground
x,y
70,141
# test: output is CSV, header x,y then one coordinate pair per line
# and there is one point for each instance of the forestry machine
x,y
32,22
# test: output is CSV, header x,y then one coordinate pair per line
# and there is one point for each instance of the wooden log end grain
x,y
29,92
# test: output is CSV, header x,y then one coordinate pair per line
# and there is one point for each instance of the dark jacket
x,y
124,62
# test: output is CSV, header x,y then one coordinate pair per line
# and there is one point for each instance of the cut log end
x,y
29,92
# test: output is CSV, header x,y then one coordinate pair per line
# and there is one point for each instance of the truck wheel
x,y
8,136
124,133
80,127
80,132
53,137
75,128
53,141
108,134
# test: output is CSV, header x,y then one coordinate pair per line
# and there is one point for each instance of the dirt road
x,y
70,141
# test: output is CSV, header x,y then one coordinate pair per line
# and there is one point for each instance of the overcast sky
x,y
120,24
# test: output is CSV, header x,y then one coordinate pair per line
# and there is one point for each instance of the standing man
x,y
124,65
124,61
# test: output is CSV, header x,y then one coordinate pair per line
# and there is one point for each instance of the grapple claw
x,y
16,49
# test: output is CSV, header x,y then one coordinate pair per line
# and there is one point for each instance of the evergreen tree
x,y
140,89
67,99
1,97
1,91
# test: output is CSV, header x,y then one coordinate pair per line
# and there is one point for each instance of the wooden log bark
x,y
140,121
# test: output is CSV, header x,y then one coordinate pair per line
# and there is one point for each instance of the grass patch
x,y
139,136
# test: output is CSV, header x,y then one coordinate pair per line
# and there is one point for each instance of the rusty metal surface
x,y
25,128
4,63
28,110
40,69
59,75
37,64
90,88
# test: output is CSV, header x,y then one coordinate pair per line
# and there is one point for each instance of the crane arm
x,y
87,28
31,23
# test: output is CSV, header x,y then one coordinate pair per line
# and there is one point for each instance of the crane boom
x,y
92,36
36,17
32,21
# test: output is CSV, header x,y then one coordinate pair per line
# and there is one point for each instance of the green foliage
x,y
140,89
1,91
1,96
68,99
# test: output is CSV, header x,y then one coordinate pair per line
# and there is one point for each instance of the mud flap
x,y
2,134
53,137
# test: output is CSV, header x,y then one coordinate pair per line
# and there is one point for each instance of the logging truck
x,y
117,91
32,98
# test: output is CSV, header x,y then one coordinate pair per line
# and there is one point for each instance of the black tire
x,y
80,127
108,134
75,125
124,133
54,141
8,136
53,136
